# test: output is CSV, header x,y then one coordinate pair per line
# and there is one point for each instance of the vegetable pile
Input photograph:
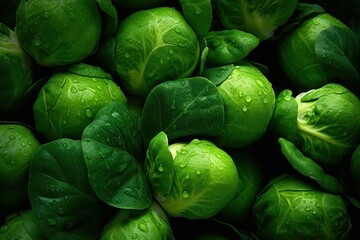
x,y
156,119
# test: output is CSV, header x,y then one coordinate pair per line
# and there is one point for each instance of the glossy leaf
x,y
183,107
60,193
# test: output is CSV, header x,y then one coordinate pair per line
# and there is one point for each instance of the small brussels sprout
x,y
58,32
193,180
70,99
152,46
16,69
291,208
151,223
323,123
249,101
258,17
21,225
319,51
17,145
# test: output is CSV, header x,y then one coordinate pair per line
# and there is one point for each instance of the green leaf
x,y
217,75
60,193
284,120
335,49
116,177
307,167
183,107
229,46
199,14
159,165
116,126
112,146
109,16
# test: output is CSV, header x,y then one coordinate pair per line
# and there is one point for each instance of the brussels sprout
x,y
319,51
70,99
16,69
21,225
17,145
152,46
291,208
193,180
323,123
249,101
58,32
260,18
151,223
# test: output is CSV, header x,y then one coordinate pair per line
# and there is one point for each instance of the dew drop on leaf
x,y
51,221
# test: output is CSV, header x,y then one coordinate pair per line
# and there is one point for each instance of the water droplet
x,y
314,212
134,235
115,115
198,11
185,194
198,172
88,113
177,30
244,108
248,98
187,175
182,164
51,221
143,227
307,208
12,137
160,167
60,211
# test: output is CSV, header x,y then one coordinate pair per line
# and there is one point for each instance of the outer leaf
x,y
307,167
116,176
116,126
159,165
284,119
229,46
335,49
110,16
217,75
112,146
183,107
199,14
60,194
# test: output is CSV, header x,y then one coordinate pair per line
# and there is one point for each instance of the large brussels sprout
x,y
249,102
17,145
291,208
16,69
151,223
258,17
58,32
70,99
193,180
319,51
152,46
21,225
323,123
